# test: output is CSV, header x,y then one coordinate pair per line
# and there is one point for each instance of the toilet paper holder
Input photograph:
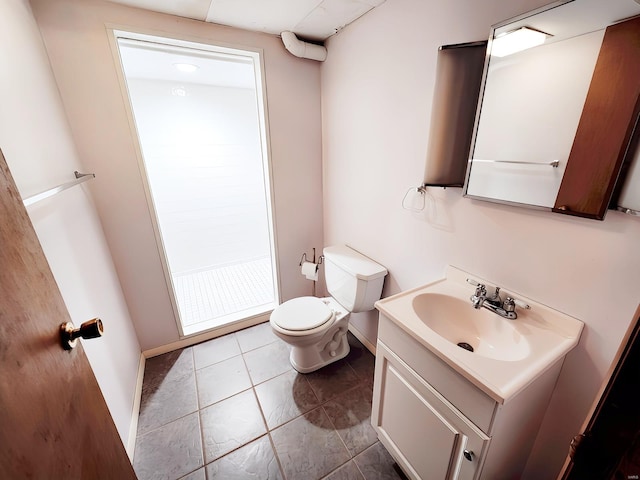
x,y
304,258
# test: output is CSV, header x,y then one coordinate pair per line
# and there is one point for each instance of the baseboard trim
x,y
135,411
201,337
356,333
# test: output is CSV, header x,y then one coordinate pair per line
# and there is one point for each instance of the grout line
x,y
225,398
218,362
246,366
232,451
201,448
195,377
264,420
358,466
312,389
167,423
335,429
266,426
276,456
342,465
362,452
202,443
259,346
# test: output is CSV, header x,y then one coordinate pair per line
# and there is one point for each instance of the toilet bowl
x,y
316,328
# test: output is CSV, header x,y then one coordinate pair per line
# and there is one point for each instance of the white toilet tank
x,y
354,280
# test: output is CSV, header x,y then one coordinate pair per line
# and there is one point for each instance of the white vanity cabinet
x,y
438,425
428,435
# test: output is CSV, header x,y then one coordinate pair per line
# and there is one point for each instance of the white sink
x,y
507,354
488,334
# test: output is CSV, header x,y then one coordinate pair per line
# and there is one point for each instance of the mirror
x,y
539,110
628,200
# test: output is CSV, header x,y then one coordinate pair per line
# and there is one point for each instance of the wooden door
x,y
54,423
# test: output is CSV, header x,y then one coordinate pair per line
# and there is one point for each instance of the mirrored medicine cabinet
x,y
555,122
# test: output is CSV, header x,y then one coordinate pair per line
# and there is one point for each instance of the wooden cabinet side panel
x,y
606,125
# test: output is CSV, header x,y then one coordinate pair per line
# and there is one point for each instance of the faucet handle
x,y
481,289
510,304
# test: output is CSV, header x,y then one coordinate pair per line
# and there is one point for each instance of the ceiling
x,y
314,20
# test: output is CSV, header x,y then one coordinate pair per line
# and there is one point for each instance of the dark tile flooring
x,y
234,408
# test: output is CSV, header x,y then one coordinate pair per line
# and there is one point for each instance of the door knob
x,y
468,454
69,334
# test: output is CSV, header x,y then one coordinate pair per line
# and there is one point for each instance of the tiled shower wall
x,y
203,158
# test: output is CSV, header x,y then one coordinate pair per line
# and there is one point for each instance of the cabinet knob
x,y
468,454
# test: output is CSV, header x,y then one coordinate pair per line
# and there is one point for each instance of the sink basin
x,y
507,354
458,322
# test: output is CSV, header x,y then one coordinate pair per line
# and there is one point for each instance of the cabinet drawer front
x,y
469,399
426,435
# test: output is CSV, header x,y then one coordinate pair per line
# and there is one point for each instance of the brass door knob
x,y
69,334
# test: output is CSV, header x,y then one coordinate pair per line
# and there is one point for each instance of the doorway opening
x,y
200,119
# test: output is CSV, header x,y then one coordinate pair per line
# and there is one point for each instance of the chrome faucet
x,y
505,308
479,297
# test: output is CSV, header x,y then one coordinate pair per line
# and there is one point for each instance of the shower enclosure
x,y
199,115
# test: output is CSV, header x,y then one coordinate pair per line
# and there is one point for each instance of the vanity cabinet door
x,y
427,436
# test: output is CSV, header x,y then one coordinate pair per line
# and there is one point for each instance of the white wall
x,y
37,143
377,87
77,43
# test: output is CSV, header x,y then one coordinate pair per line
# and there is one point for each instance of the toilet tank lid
x,y
357,264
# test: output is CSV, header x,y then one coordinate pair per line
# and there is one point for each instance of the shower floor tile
x,y
283,425
220,292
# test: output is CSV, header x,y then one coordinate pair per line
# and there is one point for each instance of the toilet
x,y
316,328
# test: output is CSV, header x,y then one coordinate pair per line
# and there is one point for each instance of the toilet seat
x,y
302,314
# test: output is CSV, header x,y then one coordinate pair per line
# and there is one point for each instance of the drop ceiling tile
x,y
196,9
330,16
271,16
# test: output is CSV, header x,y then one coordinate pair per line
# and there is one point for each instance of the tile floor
x,y
234,408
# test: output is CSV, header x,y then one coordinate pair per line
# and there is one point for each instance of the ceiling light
x,y
186,67
516,41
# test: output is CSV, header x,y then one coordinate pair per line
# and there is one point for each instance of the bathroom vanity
x,y
445,412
